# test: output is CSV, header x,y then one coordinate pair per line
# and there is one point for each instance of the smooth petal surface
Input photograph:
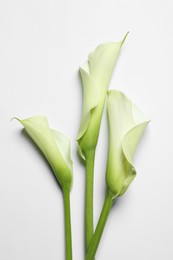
x,y
96,75
126,126
63,144
54,145
90,100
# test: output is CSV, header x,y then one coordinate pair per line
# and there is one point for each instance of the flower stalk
x,y
68,238
89,196
100,227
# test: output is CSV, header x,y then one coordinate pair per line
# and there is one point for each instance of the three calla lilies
x,y
126,125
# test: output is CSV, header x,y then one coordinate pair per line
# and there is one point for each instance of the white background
x,y
42,44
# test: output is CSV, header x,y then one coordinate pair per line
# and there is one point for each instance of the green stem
x,y
68,240
89,197
100,227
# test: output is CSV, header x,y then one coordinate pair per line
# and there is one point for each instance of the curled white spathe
x,y
126,126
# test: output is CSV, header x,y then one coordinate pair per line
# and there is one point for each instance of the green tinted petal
x,y
64,147
96,75
90,100
126,126
102,62
51,145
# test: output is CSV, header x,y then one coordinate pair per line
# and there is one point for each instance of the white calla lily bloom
x,y
96,75
54,145
126,126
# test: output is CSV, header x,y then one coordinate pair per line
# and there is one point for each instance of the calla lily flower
x,y
54,145
96,74
126,126
56,148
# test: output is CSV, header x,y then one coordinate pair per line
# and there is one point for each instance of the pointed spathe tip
x,y
124,38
